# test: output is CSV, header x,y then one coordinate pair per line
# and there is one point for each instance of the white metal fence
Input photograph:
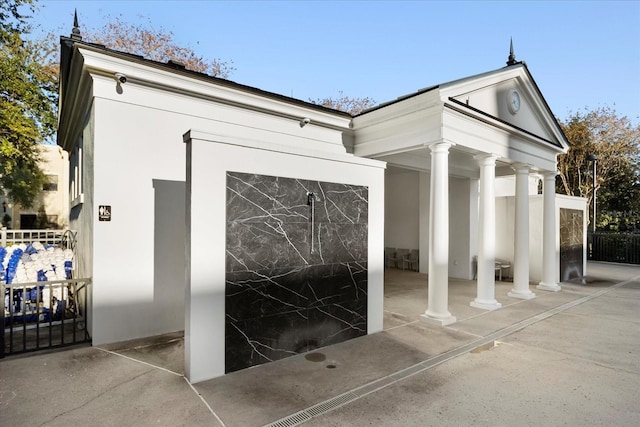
x,y
63,238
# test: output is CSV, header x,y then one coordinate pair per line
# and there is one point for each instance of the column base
x,y
553,287
485,305
521,294
440,321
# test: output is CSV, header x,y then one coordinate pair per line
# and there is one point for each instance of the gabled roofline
x,y
68,46
428,89
398,99
462,105
564,144
480,75
67,51
546,105
520,64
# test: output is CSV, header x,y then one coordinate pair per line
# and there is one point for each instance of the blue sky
x,y
582,54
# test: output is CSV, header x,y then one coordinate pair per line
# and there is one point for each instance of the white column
x,y
486,298
438,304
549,265
521,233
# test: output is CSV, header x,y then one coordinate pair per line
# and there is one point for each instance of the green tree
x,y
28,103
6,220
42,220
29,70
616,144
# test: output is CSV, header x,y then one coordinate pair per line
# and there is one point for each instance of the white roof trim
x,y
103,62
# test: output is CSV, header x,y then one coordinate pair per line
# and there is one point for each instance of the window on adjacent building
x,y
53,221
50,183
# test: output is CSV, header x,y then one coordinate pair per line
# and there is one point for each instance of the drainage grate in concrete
x,y
291,420
482,344
407,372
373,386
320,408
331,404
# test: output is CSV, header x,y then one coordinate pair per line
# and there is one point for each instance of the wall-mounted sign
x,y
104,213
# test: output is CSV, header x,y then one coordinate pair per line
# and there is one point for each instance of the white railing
x,y
62,238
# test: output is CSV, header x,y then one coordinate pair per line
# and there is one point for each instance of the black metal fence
x,y
41,315
614,247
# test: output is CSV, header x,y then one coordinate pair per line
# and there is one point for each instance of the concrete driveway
x,y
566,358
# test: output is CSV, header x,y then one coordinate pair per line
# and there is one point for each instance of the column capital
x,y
547,175
521,168
440,146
486,159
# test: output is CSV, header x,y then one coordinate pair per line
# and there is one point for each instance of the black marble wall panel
x,y
296,266
571,244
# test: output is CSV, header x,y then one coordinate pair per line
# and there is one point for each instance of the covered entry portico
x,y
460,136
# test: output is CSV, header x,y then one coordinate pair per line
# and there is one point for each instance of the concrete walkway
x,y
566,358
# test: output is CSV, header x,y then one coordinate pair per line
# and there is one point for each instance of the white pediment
x,y
491,96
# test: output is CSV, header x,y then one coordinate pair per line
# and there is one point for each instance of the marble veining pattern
x,y
296,266
571,244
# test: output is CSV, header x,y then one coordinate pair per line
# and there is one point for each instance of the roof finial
x,y
75,33
512,57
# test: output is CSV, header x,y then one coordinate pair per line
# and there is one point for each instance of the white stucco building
x,y
267,195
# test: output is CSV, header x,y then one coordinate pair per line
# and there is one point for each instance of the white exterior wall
x,y
402,210
138,152
425,196
505,217
506,185
81,205
139,170
209,158
536,205
460,228
505,237
407,219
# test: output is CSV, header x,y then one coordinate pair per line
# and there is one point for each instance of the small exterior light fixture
x,y
305,121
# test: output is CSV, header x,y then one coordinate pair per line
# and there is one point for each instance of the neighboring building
x,y
280,205
54,197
